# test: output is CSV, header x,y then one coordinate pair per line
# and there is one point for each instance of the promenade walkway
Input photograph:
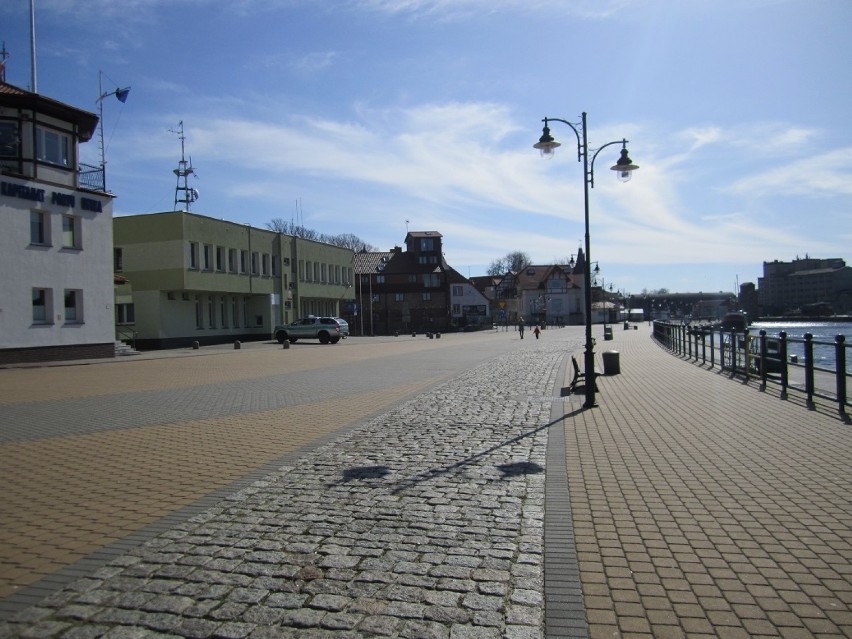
x,y
687,504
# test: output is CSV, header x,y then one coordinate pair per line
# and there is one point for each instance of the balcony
x,y
92,177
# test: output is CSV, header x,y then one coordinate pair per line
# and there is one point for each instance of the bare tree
x,y
515,262
346,240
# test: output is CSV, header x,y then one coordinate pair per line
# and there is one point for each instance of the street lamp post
x,y
624,167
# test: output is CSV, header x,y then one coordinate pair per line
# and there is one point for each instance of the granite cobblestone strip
x,y
426,522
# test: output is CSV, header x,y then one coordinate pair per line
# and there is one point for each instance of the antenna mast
x,y
184,194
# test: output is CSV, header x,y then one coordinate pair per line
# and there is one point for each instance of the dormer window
x,y
53,147
427,244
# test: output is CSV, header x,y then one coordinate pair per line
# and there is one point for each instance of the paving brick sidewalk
x,y
425,522
699,507
703,507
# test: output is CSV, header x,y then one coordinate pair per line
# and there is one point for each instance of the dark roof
x,y
535,276
12,96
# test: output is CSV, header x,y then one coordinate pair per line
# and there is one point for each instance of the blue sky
x,y
377,116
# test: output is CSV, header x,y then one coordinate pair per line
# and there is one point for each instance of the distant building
x,y
56,293
185,277
788,287
414,290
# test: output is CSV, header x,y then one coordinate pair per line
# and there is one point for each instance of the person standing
x,y
521,326
536,330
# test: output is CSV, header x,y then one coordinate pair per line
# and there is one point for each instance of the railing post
x,y
840,371
733,353
809,369
704,344
782,353
712,347
762,339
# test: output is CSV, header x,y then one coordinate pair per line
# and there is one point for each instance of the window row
x,y
322,273
52,146
429,280
44,305
42,232
400,297
212,311
207,257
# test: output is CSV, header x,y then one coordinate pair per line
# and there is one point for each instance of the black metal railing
x,y
766,358
127,335
92,177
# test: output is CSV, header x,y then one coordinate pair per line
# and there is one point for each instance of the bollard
x,y
286,344
611,363
438,335
396,333
195,346
413,334
237,345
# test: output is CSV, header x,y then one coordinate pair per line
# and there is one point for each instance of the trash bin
x,y
611,364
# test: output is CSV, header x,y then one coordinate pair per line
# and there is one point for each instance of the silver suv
x,y
328,330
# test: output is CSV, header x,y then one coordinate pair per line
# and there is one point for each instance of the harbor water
x,y
824,334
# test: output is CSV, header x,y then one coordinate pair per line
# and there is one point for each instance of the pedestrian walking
x,y
536,330
521,326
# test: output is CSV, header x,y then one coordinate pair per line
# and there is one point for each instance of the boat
x,y
734,321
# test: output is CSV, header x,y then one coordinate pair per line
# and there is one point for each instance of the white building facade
x,y
56,293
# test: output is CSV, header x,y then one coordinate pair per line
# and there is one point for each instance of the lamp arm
x,y
576,132
592,165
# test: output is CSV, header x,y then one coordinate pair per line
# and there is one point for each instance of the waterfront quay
x,y
414,487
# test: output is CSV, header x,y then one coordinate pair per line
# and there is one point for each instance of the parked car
x,y
328,330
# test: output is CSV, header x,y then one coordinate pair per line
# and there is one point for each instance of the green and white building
x,y
188,278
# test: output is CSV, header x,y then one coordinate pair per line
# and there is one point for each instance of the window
x,y
235,313
223,312
380,279
308,271
193,255
243,261
199,313
458,291
38,228
323,273
118,259
208,257
254,263
427,244
220,259
53,147
427,297
431,280
73,306
211,311
232,260
125,314
276,270
41,306
457,309
264,264
399,297
412,279
316,272
9,139
70,233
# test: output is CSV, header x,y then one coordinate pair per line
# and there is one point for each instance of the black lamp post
x,y
547,145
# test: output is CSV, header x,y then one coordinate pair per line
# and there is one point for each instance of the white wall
x,y
25,266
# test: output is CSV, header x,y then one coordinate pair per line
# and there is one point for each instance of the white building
x,y
56,293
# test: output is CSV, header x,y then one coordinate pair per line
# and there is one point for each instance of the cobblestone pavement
x,y
425,522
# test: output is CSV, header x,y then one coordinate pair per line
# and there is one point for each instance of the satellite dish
x,y
194,194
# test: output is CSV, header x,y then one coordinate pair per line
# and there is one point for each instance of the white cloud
x,y
825,174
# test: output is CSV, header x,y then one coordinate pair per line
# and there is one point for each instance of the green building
x,y
184,278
